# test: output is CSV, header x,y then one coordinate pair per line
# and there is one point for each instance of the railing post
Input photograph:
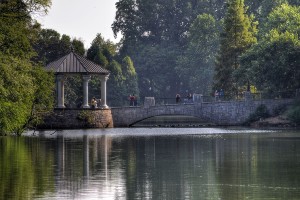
x,y
248,96
149,101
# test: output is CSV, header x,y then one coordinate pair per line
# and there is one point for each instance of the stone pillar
x,y
104,79
248,96
149,101
86,79
60,91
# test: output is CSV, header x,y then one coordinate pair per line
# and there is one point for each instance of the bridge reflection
x,y
172,121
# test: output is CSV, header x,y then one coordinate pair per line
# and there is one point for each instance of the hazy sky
x,y
81,19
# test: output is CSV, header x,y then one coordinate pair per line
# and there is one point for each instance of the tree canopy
x,y
237,36
20,78
273,63
123,77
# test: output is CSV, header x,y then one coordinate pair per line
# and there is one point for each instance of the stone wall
x,y
78,118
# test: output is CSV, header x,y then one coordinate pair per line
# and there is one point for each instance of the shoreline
x,y
279,121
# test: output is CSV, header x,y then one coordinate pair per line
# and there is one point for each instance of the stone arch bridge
x,y
219,112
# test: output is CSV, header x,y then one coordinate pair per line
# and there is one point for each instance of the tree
x,y
123,78
20,89
267,6
130,77
196,66
50,45
78,46
155,35
273,63
17,93
237,36
116,94
155,67
284,18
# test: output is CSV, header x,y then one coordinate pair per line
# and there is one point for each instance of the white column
x,y
86,79
104,78
60,91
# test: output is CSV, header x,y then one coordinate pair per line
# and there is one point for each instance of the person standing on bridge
x,y
177,98
216,95
131,100
221,94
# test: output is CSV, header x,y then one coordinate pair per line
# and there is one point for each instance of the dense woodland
x,y
168,47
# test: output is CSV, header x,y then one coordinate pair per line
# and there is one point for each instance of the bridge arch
x,y
171,120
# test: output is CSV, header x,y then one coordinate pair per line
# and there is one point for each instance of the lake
x,y
151,163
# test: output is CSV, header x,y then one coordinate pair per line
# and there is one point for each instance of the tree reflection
x,y
23,168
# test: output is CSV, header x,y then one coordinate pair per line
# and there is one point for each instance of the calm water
x,y
145,163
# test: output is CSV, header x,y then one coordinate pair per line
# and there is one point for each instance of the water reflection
x,y
101,164
25,168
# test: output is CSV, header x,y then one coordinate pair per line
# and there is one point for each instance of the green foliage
x,y
284,18
23,9
24,87
43,96
26,93
294,113
196,66
273,65
22,174
238,35
50,46
130,77
156,35
17,93
155,67
279,110
73,90
85,116
261,112
78,46
123,77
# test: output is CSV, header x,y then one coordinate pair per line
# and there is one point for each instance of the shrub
x,y
85,116
261,112
294,113
279,110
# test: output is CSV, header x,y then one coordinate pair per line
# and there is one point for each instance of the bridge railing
x,y
172,101
198,98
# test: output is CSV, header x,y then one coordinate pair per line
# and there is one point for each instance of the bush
x,y
261,112
279,110
85,116
294,113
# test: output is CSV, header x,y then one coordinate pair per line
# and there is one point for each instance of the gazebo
x,y
73,63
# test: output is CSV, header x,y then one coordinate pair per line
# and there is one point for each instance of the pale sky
x,y
81,19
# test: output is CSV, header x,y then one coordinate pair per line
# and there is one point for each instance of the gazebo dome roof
x,y
74,63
